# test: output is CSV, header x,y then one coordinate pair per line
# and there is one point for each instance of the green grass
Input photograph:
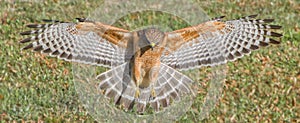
x,y
264,86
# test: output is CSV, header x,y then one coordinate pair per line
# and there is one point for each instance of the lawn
x,y
261,87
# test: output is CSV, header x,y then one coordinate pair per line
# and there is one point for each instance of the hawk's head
x,y
152,36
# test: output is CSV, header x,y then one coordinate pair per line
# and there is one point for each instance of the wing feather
x,y
85,42
216,42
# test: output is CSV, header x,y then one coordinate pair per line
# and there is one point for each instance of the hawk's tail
x,y
170,86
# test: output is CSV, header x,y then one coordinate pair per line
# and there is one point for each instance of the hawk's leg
x,y
137,92
153,74
137,78
137,89
138,75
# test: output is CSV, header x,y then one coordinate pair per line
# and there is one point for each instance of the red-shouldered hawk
x,y
144,63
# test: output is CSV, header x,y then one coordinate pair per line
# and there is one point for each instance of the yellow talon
x,y
153,94
137,93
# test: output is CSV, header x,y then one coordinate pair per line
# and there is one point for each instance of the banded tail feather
x,y
171,86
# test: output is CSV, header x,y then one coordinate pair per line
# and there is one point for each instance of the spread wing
x,y
85,42
216,42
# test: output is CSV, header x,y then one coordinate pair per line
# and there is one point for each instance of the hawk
x,y
144,64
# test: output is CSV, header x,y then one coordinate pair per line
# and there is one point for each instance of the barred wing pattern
x,y
65,41
118,86
216,42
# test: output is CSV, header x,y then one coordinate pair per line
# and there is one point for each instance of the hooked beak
x,y
152,45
